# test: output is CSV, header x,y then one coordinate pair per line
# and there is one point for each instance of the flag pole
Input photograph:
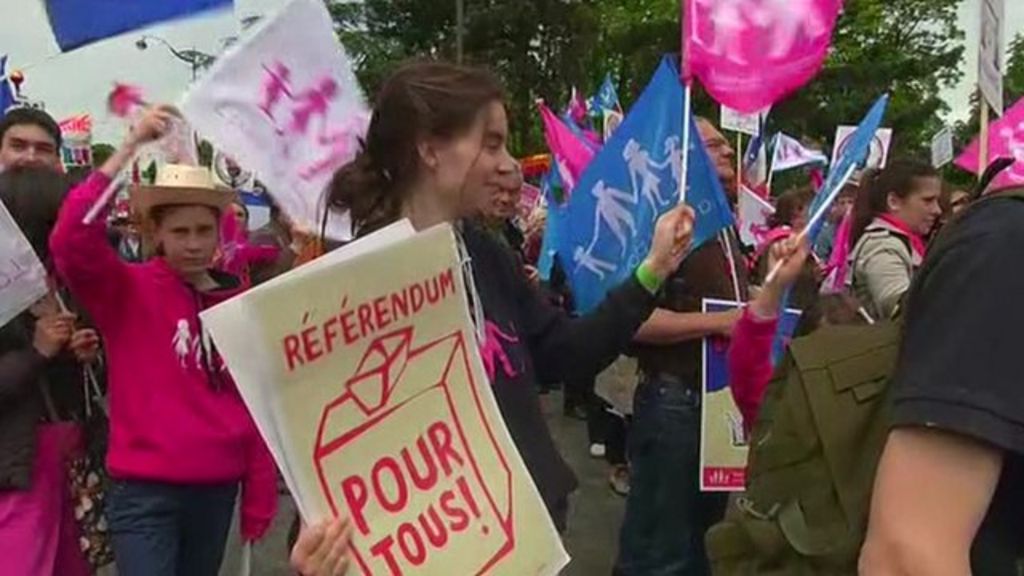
x,y
739,161
983,139
683,173
771,163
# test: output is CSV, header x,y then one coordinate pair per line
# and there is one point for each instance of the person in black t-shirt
x,y
949,493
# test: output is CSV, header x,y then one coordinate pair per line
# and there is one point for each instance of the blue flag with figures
x,y
553,191
854,154
608,226
6,94
607,98
76,23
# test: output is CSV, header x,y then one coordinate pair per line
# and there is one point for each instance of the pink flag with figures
x,y
569,153
749,54
1005,139
285,103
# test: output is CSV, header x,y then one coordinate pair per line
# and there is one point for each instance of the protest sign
x,y
990,54
878,154
286,104
724,445
22,276
752,213
942,147
737,121
76,141
362,372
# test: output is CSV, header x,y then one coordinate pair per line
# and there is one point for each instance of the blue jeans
x,y
169,530
666,513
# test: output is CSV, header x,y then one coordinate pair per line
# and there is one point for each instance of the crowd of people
x,y
119,341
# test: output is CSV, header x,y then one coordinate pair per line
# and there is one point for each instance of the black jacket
x,y
540,343
23,372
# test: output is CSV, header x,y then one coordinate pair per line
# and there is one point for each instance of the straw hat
x,y
180,184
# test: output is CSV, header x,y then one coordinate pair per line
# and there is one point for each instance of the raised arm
x,y
566,349
83,256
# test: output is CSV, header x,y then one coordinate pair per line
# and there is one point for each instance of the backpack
x,y
814,452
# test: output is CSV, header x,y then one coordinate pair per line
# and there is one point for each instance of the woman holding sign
x,y
435,149
181,440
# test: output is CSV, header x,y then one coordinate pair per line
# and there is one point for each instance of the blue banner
x,y
76,23
632,181
6,94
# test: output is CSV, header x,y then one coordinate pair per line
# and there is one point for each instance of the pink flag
x,y
749,54
571,155
1005,138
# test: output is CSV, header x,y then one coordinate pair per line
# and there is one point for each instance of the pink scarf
x,y
916,242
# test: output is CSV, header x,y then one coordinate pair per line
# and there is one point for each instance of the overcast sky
x,y
79,81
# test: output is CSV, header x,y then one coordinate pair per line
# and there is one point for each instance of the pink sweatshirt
x,y
175,414
750,364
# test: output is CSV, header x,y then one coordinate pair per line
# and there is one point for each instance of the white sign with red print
x,y
363,373
22,276
285,103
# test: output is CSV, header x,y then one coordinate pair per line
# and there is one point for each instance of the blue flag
x,y
6,94
609,224
855,153
607,98
551,187
76,23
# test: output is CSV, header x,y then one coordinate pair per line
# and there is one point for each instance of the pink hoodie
x,y
172,417
750,364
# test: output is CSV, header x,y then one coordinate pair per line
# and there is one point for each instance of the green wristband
x,y
649,280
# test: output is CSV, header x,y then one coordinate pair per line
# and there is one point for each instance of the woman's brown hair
x,y
33,197
789,205
420,99
899,178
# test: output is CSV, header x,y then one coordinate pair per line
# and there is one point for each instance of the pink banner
x,y
749,54
1006,139
570,154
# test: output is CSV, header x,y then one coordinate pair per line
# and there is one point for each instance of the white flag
x,y
286,104
22,276
790,153
753,215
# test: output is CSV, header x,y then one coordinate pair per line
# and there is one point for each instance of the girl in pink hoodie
x,y
181,439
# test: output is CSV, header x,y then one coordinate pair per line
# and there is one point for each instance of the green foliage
x,y
542,48
100,152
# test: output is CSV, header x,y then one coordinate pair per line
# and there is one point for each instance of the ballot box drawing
x,y
440,493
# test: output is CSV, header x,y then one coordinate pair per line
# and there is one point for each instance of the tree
x,y
911,49
100,152
542,48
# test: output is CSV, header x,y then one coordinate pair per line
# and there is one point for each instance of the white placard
x,y
736,121
879,154
990,54
285,103
22,276
942,148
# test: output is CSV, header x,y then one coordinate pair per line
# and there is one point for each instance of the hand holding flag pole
x,y
815,219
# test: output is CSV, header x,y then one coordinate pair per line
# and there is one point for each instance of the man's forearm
x,y
666,327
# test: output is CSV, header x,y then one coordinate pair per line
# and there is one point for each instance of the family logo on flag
x,y
753,213
1006,139
288,106
751,53
635,178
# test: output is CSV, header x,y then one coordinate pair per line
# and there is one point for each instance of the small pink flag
x,y
124,99
1006,139
749,54
570,154
837,268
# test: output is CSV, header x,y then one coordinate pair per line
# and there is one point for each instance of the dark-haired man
x,y
29,138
